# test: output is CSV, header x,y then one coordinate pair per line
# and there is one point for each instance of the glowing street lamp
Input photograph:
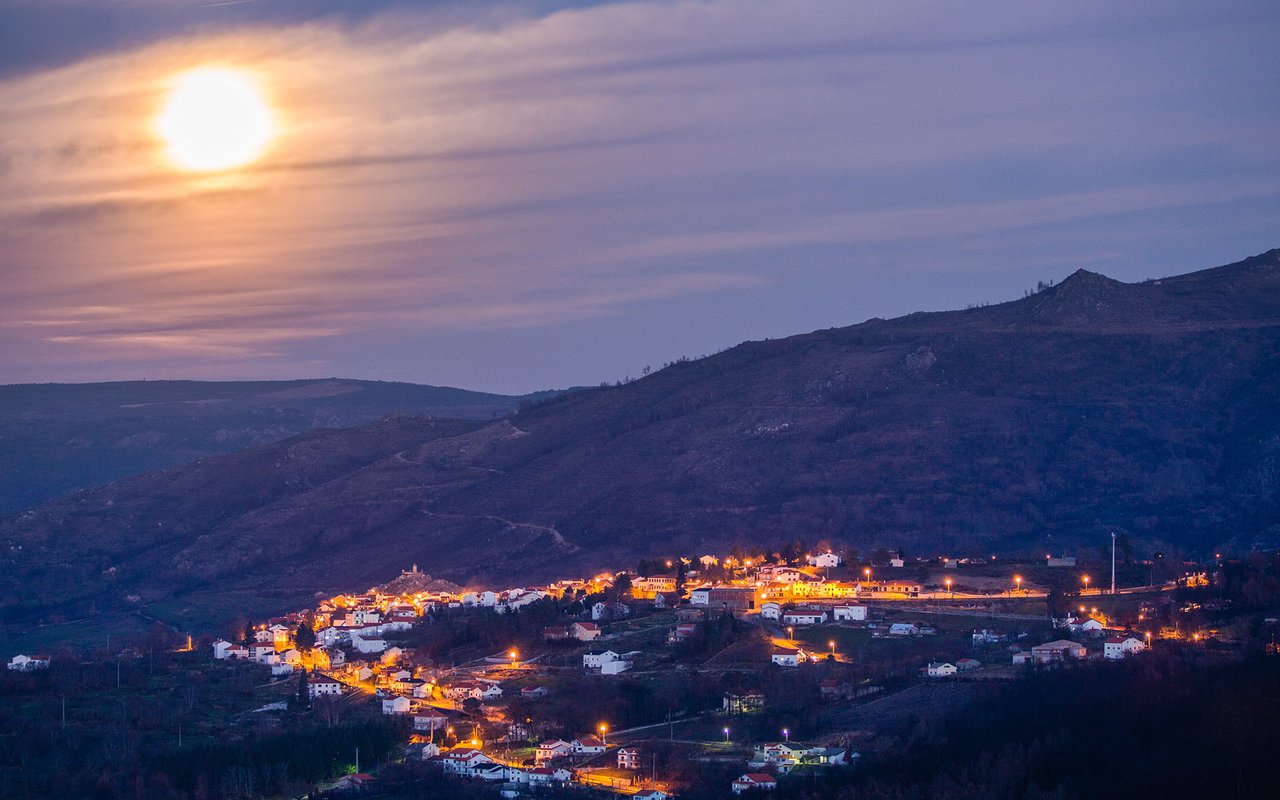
x,y
832,644
791,634
786,734
726,735
1086,582
1017,582
867,573
949,588
513,655
604,733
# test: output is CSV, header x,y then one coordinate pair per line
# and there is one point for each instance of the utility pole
x,y
357,759
1113,562
64,712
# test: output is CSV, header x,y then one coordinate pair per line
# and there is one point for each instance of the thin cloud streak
x,y
524,171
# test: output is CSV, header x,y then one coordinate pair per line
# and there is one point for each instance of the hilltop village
x,y
626,682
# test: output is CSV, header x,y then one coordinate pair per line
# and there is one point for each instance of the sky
x,y
526,195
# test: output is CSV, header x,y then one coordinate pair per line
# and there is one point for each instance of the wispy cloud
x,y
514,168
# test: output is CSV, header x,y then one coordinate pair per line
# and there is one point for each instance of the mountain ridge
x,y
1041,423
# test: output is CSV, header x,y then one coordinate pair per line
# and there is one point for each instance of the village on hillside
x,y
628,682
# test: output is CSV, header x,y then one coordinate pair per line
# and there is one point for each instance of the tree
x,y
622,586
302,698
305,636
247,638
681,575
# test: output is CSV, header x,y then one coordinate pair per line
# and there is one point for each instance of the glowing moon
x,y
215,118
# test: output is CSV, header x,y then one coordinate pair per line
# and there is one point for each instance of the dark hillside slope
x,y
59,438
1034,425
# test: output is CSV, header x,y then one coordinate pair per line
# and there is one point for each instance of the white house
x,y
786,656
319,687
587,745
771,610
897,563
328,637
754,780
548,775
368,644
824,560
904,629
553,748
464,762
222,649
652,794
584,631
849,613
940,670
804,617
1118,647
262,652
598,660
487,599
629,758
281,668
25,663
396,705
700,596
1087,625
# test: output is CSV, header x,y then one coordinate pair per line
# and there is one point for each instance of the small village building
x,y
700,596
1118,647
825,560
551,749
368,644
26,663
940,670
804,617
771,610
849,613
629,758
324,687
733,598
1060,650
787,656
534,692
966,664
754,780
584,631
904,629
596,660
587,745
396,705
742,703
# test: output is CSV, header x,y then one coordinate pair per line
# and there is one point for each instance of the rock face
x,y
1042,423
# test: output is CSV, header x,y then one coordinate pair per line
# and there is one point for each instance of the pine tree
x,y
302,700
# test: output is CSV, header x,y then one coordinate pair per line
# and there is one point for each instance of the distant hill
x,y
58,438
1031,426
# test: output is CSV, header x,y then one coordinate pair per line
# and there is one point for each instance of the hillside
x,y
1034,425
59,438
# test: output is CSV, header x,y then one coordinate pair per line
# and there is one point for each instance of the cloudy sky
x,y
534,194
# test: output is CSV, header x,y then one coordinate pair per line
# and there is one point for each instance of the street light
x,y
1017,582
604,733
786,734
791,634
514,654
726,735
832,643
949,588
1086,583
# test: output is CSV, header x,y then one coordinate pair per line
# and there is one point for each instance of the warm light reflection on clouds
x,y
524,171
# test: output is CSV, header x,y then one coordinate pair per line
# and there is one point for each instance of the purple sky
x,y
528,195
